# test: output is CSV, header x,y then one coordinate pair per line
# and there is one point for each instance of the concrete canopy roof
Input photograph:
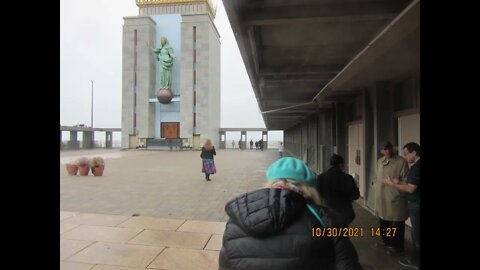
x,y
293,49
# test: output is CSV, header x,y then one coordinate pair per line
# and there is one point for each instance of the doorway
x,y
355,155
196,141
170,130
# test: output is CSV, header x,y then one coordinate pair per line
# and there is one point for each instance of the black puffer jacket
x,y
272,229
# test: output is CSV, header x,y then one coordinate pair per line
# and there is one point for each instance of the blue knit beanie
x,y
291,168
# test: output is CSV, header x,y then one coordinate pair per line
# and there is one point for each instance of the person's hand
x,y
390,181
387,181
395,180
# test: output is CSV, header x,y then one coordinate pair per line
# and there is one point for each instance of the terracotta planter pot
x,y
98,171
72,169
83,170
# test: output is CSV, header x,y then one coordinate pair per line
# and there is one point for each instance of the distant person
x,y
411,189
391,206
271,228
280,149
251,144
256,145
260,144
338,190
208,164
233,143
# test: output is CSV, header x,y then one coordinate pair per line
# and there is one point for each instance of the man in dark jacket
x,y
338,190
272,228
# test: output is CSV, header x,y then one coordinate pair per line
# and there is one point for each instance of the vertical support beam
x,y
312,149
265,139
384,122
88,140
325,142
138,80
369,155
73,143
378,126
341,130
243,142
108,139
222,139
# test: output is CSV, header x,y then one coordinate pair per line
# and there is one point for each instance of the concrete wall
x,y
408,129
214,84
145,78
207,85
378,116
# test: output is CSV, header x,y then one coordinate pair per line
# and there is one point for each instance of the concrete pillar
x,y
325,139
138,80
265,139
222,137
88,140
378,126
243,143
108,139
340,132
312,149
73,143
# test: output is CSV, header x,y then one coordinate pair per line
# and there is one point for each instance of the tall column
x,y
108,139
341,130
138,80
378,126
88,142
265,139
325,141
73,143
222,137
243,144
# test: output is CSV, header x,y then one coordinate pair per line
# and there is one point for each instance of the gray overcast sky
x,y
91,50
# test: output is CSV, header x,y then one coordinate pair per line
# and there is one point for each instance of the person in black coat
x,y
338,190
273,227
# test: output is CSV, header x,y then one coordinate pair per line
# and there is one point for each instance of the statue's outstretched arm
x,y
170,51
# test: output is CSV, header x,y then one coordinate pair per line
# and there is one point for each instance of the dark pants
x,y
414,209
396,241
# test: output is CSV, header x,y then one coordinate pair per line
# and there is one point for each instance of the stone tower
x,y
194,112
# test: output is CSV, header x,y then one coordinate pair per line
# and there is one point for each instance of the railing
x,y
179,144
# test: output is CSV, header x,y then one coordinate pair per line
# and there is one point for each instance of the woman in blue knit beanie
x,y
273,227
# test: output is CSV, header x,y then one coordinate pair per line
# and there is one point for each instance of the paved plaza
x,y
154,210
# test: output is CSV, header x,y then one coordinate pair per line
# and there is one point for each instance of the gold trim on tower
x,y
143,3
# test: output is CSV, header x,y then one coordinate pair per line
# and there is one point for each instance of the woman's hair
x,y
208,144
309,193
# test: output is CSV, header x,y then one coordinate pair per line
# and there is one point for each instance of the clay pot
x,y
72,169
83,170
98,171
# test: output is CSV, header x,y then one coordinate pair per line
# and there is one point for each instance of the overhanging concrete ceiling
x,y
293,48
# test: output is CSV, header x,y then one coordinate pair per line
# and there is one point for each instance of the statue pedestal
x,y
164,96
